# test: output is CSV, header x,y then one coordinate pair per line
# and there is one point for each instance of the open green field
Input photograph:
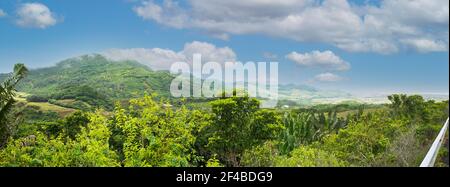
x,y
44,106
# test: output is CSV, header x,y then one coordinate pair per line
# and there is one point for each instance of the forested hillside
x,y
94,80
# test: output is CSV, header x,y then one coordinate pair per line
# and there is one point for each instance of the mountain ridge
x,y
93,77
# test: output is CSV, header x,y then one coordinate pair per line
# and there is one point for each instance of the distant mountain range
x,y
95,78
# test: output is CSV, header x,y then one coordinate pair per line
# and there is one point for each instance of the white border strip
x,y
429,160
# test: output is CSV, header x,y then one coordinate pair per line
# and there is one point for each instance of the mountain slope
x,y
96,80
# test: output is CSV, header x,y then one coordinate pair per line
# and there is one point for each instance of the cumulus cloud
x,y
156,58
209,52
168,14
326,59
35,15
426,45
2,13
162,59
327,77
388,27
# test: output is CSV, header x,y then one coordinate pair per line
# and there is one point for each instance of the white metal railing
x,y
430,158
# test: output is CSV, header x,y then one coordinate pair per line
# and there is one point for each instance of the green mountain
x,y
95,80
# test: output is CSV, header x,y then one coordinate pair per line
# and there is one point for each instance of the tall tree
x,y
7,93
239,124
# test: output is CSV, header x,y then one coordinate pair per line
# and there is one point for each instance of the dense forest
x,y
103,120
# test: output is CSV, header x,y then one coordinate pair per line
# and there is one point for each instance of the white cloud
x,y
426,45
382,28
169,14
325,59
2,13
327,77
209,52
156,58
35,15
162,59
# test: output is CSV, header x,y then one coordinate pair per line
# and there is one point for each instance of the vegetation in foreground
x,y
231,131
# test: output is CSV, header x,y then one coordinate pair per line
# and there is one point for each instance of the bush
x,y
309,157
261,156
36,98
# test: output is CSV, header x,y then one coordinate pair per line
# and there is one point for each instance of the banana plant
x,y
7,93
303,128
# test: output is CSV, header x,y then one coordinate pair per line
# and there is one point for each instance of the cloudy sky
x,y
360,46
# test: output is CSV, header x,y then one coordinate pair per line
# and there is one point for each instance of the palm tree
x,y
7,93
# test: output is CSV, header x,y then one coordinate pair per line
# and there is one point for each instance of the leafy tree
x,y
426,117
413,107
239,124
67,127
50,129
155,134
72,124
7,93
89,149
91,146
363,143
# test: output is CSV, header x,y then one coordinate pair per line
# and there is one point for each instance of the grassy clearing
x,y
44,106
51,107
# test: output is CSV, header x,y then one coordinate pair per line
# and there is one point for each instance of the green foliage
x,y
404,151
234,131
155,135
429,115
443,156
52,126
239,125
7,93
90,148
306,127
398,138
213,162
362,143
261,156
309,157
74,123
299,130
36,98
32,114
409,106
74,104
92,144
82,93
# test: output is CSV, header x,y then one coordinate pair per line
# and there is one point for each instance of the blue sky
x,y
385,52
